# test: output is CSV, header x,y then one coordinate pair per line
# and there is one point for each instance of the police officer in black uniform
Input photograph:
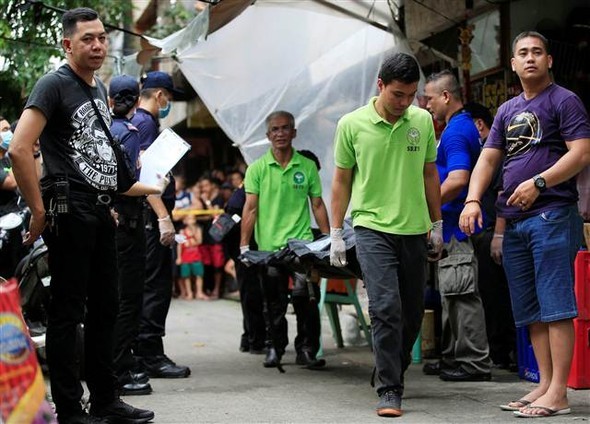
x,y
130,236
155,100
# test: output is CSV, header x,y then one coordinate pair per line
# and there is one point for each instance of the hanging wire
x,y
30,43
371,9
433,10
38,3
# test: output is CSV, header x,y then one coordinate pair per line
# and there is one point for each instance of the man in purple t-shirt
x,y
544,136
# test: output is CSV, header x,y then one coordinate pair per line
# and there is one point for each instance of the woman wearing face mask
x,y
8,187
8,203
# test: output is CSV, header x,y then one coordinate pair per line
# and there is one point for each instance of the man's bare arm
x,y
341,191
432,191
452,186
320,214
248,218
29,129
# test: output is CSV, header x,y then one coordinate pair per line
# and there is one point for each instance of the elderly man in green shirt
x,y
278,186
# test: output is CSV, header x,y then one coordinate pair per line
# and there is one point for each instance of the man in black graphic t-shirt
x,y
74,216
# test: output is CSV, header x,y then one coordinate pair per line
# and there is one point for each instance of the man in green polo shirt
x,y
385,157
278,186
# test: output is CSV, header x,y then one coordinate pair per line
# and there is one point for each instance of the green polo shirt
x,y
388,160
283,206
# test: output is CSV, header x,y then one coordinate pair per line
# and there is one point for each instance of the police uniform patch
x,y
131,127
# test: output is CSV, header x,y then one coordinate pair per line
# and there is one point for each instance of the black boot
x,y
273,358
130,385
306,359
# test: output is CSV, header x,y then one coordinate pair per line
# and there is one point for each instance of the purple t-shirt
x,y
532,133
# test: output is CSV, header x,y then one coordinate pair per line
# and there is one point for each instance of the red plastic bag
x,y
22,388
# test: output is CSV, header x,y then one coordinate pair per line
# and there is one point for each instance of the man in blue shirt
x,y
465,351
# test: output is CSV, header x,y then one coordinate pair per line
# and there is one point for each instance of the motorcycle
x,y
34,280
32,273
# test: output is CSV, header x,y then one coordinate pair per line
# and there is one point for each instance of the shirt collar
x,y
146,112
376,118
270,159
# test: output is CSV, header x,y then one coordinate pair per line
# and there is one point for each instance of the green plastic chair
x,y
331,301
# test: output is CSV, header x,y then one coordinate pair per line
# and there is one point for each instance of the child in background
x,y
189,260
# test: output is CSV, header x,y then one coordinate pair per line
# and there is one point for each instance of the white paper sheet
x,y
161,156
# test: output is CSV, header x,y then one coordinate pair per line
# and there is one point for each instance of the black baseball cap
x,y
123,85
159,79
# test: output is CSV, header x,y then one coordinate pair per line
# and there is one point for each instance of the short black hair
x,y
479,111
122,105
533,34
71,18
311,155
399,67
446,81
147,93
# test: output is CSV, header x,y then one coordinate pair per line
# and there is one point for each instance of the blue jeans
x,y
539,254
394,273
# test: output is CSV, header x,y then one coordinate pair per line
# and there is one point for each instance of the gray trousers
x,y
394,273
464,340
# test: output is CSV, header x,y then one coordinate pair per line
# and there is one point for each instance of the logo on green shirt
x,y
298,178
413,136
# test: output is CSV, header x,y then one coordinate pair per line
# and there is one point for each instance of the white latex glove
x,y
436,240
337,248
167,231
161,184
243,260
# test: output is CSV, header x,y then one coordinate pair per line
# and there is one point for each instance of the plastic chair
x,y
332,300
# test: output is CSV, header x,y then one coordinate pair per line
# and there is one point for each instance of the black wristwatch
x,y
540,183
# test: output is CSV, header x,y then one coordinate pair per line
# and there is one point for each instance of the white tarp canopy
x,y
301,56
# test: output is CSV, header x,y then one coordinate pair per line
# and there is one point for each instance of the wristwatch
x,y
540,183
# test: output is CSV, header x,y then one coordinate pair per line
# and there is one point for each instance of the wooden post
x,y
465,37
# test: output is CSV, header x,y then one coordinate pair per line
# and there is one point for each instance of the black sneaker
x,y
81,418
163,367
120,412
390,404
460,374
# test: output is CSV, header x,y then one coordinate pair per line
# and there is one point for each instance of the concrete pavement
x,y
227,386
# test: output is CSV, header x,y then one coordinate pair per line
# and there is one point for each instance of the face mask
x,y
6,138
164,111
